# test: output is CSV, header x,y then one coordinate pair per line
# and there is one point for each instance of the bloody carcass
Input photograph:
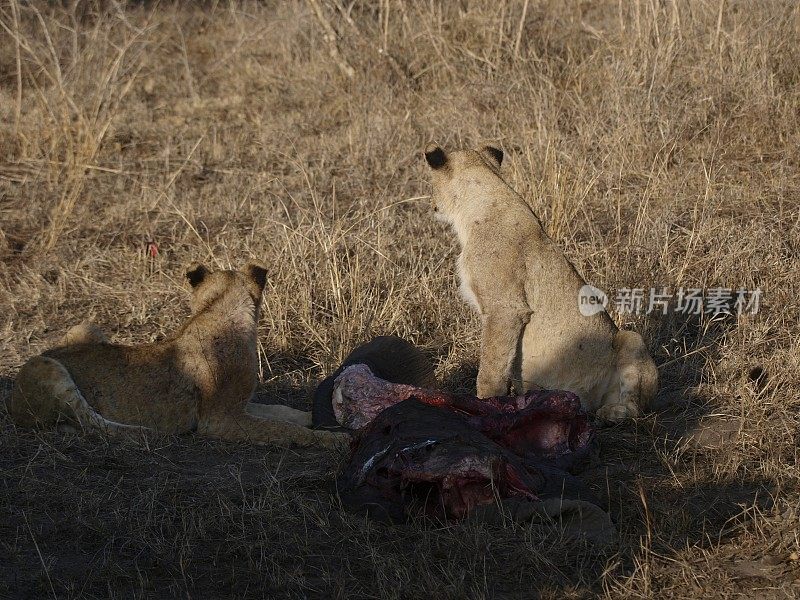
x,y
389,358
422,451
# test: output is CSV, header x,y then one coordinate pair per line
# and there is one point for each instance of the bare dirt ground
x,y
658,142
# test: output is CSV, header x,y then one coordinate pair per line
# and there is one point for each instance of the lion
x,y
526,292
199,379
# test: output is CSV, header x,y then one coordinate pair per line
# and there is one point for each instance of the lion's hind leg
x,y
636,379
32,401
45,395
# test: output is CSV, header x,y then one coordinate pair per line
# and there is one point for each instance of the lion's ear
x,y
258,274
435,157
196,275
493,154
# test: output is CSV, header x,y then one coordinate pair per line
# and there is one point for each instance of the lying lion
x,y
526,292
198,380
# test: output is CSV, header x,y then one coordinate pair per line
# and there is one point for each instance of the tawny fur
x,y
199,379
526,292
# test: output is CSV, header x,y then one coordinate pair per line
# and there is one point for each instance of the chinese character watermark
x,y
629,301
714,302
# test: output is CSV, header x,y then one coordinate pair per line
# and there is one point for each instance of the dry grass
x,y
657,140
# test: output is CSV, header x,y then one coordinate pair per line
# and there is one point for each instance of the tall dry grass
x,y
657,141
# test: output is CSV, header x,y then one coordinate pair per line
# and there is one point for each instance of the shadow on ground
x,y
81,516
656,476
286,380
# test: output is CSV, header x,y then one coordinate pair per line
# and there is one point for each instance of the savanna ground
x,y
658,142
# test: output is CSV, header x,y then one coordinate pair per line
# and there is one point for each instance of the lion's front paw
x,y
489,387
614,413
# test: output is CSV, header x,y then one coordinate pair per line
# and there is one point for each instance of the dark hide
x,y
443,455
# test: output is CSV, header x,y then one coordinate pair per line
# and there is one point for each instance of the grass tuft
x,y
656,140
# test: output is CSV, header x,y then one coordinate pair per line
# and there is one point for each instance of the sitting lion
x,y
526,292
199,379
